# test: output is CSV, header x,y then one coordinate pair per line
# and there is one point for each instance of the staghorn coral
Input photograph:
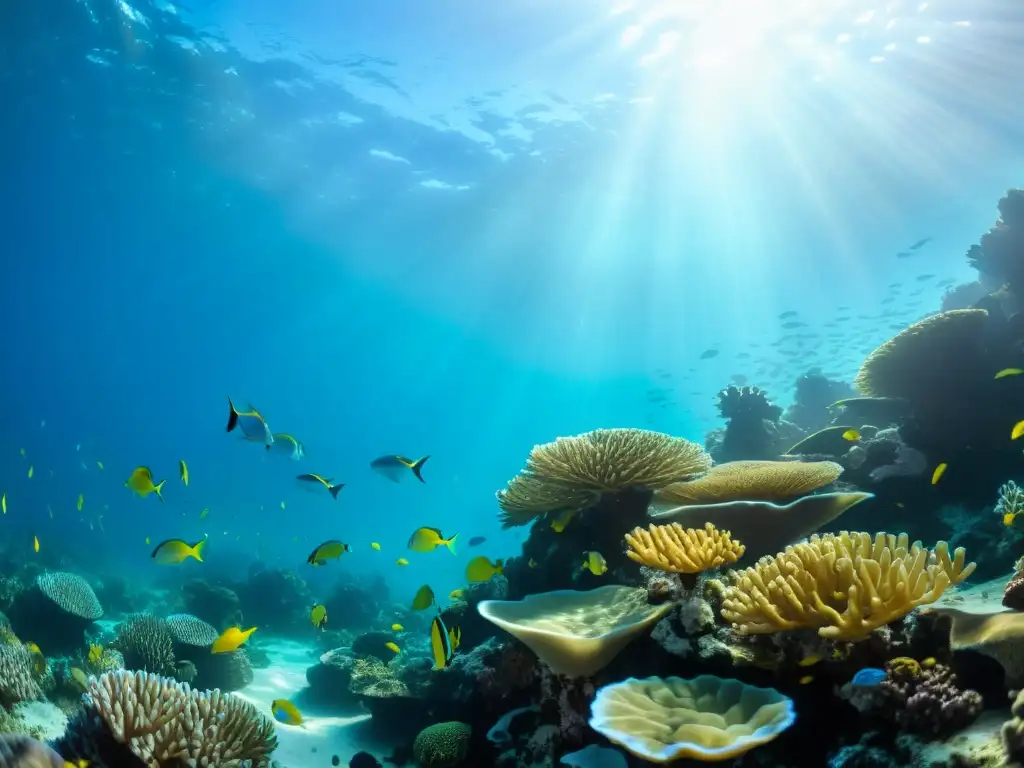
x,y
146,643
752,481
845,585
444,745
908,364
682,550
17,683
146,718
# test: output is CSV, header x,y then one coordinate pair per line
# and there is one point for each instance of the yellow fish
x,y
204,513
424,598
318,616
1009,372
1016,432
929,662
231,639
183,471
174,551
38,660
253,427
3,503
375,545
455,637
481,569
397,627
559,523
95,654
595,563
393,647
31,471
79,678
806,679
401,561
285,712
100,464
35,543
940,471
441,650
809,661
456,594
329,550
1008,518
81,501
428,539
141,481
851,435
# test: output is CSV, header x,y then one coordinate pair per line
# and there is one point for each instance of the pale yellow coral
x,y
528,496
682,550
845,585
752,481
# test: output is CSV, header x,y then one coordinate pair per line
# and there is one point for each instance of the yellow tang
x,y
1017,431
329,550
441,650
38,659
595,563
397,627
183,471
481,569
141,481
428,539
173,551
375,545
35,543
253,426
393,647
1009,372
401,561
559,523
231,639
424,598
851,435
318,616
939,472
81,501
285,712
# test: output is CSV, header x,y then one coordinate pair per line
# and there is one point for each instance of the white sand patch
x,y
44,715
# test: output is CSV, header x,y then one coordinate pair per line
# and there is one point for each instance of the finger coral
x,y
682,550
133,717
844,585
753,481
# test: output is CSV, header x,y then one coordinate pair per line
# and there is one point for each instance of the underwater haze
x,y
454,229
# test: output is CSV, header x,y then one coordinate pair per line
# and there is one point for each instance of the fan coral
x,y
16,681
148,718
146,643
682,550
443,745
845,585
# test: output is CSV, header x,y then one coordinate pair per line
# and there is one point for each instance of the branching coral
x,y
746,403
844,585
161,722
682,550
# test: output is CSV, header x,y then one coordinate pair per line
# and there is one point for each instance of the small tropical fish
x,y
80,763
141,481
456,594
559,523
3,503
929,662
183,471
424,598
476,541
397,627
1009,372
393,647
481,569
288,446
940,471
22,453
282,505
314,482
285,712
1009,517
401,561
35,543
95,654
329,550
429,539
531,563
1017,431
806,679
868,677
79,678
851,435
253,426
395,467
204,513
595,563
81,501
375,545
441,650
455,638
174,551
231,639
31,471
99,465
809,661
318,616
38,659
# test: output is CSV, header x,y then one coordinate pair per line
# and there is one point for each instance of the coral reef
x,y
752,425
56,611
276,600
215,604
814,394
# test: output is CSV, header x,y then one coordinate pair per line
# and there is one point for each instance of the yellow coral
x,y
845,585
682,550
753,481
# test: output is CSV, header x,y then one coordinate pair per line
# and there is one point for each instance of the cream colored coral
x,y
528,496
682,550
753,481
845,585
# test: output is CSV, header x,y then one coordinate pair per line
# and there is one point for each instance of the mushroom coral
x,y
705,718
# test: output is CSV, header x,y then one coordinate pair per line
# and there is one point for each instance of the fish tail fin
x,y
334,489
158,488
232,417
451,544
197,549
417,466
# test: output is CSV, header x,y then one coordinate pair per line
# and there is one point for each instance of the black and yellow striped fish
x,y
441,650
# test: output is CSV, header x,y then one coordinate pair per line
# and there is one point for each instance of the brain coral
x,y
443,745
139,716
71,593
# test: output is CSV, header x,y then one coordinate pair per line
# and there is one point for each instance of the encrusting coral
x,y
682,550
443,745
131,717
844,585
752,481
